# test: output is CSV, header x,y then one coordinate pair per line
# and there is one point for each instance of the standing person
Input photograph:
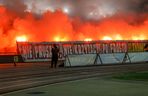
x,y
54,58
146,47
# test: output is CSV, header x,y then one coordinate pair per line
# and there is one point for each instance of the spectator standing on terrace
x,y
54,59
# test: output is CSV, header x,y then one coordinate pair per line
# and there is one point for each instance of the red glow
x,y
57,26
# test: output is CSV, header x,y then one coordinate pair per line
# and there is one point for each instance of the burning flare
x,y
88,39
107,38
21,39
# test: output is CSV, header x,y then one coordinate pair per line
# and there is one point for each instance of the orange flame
x,y
58,38
21,38
107,38
141,37
57,26
88,39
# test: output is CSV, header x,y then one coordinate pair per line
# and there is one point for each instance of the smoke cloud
x,y
92,9
17,6
72,20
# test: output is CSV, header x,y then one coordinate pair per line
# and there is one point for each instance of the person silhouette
x,y
146,47
54,59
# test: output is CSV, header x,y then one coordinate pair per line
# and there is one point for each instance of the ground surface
x,y
77,81
97,86
135,76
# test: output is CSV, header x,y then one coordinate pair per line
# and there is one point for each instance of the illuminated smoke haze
x,y
72,20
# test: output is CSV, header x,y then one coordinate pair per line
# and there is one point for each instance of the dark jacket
x,y
55,52
146,48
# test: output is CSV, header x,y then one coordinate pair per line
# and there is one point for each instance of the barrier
x,y
138,57
116,58
85,53
80,60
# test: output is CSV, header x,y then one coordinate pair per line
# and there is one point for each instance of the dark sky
x,y
89,9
